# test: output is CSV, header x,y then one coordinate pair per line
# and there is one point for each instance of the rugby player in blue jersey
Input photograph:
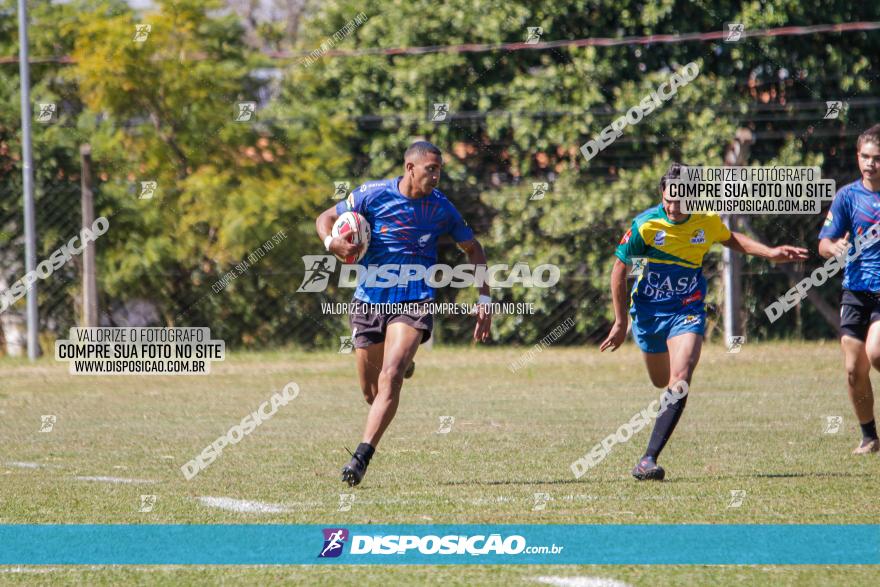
x,y
854,211
669,319
407,216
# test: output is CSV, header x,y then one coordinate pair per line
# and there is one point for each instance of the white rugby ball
x,y
355,229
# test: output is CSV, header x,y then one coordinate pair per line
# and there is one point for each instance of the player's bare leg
x,y
369,365
684,354
858,360
658,368
401,343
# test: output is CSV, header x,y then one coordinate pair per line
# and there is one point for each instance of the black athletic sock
x,y
365,452
664,425
869,430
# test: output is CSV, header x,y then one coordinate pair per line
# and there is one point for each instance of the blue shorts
x,y
650,332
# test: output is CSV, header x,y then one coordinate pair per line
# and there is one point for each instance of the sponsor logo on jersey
x,y
691,319
699,237
694,297
369,186
660,238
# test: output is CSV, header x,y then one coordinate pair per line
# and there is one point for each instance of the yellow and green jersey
x,y
671,276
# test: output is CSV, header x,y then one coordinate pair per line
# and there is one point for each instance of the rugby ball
x,y
355,229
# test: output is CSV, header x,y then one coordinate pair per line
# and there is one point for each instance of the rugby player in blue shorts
x,y
855,211
669,319
407,216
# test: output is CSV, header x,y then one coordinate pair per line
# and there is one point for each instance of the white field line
x,y
243,505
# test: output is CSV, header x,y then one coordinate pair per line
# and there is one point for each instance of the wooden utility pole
x,y
737,154
90,280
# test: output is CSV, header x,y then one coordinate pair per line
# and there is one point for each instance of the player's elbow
x,y
825,248
325,219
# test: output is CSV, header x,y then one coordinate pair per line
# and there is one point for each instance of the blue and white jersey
x,y
404,232
855,209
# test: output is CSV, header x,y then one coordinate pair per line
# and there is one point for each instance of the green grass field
x,y
755,423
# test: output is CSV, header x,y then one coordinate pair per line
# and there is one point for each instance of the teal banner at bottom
x,y
251,544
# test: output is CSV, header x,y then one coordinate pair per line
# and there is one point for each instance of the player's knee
x,y
856,375
874,358
392,374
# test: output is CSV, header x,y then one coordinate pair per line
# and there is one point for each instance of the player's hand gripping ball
x,y
355,229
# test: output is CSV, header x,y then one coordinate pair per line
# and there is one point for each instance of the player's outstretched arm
x,y
336,245
476,256
618,296
781,254
834,247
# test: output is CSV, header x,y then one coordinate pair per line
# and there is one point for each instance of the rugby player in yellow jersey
x,y
669,319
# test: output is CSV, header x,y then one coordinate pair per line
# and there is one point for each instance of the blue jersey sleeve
x,y
458,228
353,203
839,219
